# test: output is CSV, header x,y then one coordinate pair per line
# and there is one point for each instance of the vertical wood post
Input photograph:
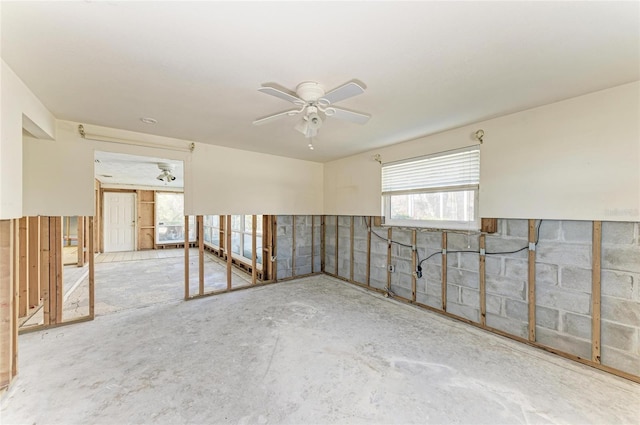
x,y
92,279
7,303
229,253
23,264
414,264
322,240
186,257
254,254
59,282
34,261
595,291
293,246
369,250
45,266
200,230
80,240
313,243
351,256
274,243
532,281
483,284
444,271
337,257
389,235
13,308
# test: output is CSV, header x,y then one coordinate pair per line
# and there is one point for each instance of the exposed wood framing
x,y
368,277
337,259
489,225
444,271
313,243
34,261
483,284
13,308
200,229
23,264
92,280
254,260
80,245
45,264
323,221
186,257
56,284
389,236
596,291
293,245
351,256
532,281
414,264
274,247
7,307
228,251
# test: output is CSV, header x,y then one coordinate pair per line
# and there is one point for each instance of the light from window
x,y
241,230
170,219
439,191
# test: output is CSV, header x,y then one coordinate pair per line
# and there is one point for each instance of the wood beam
x,y
229,252
200,229
368,277
92,281
293,245
23,264
254,254
34,261
7,306
351,255
414,264
389,233
596,291
532,281
80,245
444,271
186,257
483,284
337,257
313,244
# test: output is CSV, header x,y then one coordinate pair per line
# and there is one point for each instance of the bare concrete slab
x,y
315,350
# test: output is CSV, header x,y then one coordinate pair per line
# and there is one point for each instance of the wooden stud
x,y
45,265
200,229
293,245
368,277
489,225
254,247
444,271
34,261
323,228
483,286
596,291
80,241
229,253
274,244
23,263
532,282
186,257
414,264
351,255
56,241
337,243
313,243
13,308
389,259
92,280
7,302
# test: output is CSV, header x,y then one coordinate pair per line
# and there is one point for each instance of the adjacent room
x,y
320,212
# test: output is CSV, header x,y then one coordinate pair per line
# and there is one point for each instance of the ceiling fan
x,y
166,175
313,102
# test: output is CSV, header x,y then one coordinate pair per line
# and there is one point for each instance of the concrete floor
x,y
314,350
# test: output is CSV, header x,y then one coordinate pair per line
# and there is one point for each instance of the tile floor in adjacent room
x,y
309,351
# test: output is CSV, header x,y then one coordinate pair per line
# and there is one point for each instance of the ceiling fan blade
x,y
343,92
273,117
273,91
344,114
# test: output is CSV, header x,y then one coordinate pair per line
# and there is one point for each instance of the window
x,y
439,191
241,231
170,219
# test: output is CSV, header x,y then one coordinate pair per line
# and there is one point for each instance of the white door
x,y
119,222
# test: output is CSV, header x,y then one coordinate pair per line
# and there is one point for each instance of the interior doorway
x,y
119,221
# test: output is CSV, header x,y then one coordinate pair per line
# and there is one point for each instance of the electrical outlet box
x,y
391,268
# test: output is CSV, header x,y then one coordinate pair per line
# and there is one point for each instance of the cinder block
x,y
577,231
360,245
620,337
518,310
547,317
344,221
470,262
302,250
401,291
493,265
303,270
564,254
284,220
510,288
498,244
547,273
452,260
434,289
453,293
431,301
617,284
378,246
576,325
510,326
614,232
516,268
462,242
565,300
465,278
621,258
622,311
576,278
620,360
494,304
429,239
403,266
563,342
549,230
470,297
467,312
517,228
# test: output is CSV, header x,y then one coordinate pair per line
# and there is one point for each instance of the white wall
x,y
58,176
576,159
17,105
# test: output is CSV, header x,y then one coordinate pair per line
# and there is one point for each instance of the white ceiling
x,y
428,66
139,171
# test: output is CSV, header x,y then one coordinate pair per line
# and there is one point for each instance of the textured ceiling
x,y
428,66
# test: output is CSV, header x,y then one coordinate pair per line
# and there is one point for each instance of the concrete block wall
x,y
305,255
563,279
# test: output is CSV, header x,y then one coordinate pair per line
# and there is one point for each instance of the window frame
x,y
242,232
473,224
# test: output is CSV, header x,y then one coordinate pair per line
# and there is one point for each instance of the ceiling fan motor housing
x,y
309,91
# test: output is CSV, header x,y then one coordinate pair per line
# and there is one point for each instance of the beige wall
x,y
19,107
576,159
58,175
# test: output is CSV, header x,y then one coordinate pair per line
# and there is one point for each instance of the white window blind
x,y
451,170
